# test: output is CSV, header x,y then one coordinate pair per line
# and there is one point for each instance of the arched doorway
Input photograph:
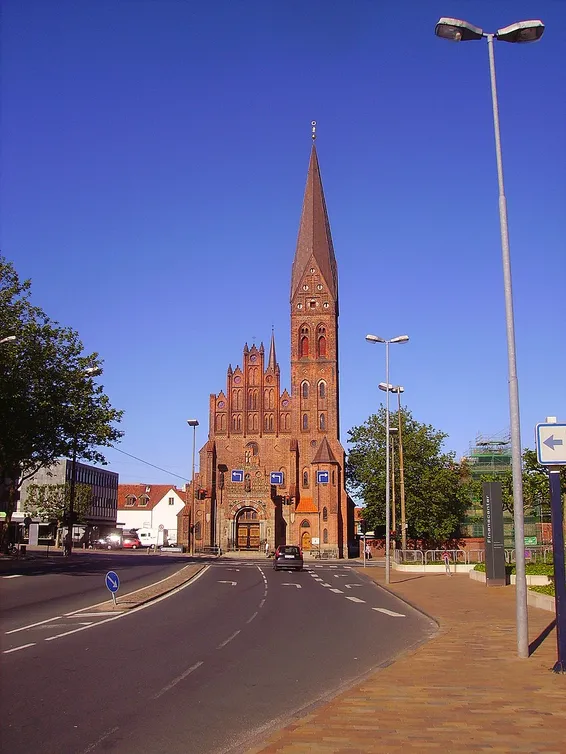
x,y
247,529
306,540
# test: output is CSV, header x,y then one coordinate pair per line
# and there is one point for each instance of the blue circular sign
x,y
112,581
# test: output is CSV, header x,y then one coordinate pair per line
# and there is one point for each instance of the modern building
x,y
150,506
101,515
272,469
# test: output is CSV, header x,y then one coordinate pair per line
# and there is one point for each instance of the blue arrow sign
x,y
322,477
237,475
552,443
112,581
276,477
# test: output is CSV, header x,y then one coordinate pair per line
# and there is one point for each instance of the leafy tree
x,y
435,493
49,406
51,501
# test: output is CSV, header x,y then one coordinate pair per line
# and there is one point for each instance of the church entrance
x,y
247,530
306,541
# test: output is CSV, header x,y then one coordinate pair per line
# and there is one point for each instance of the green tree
x,y
51,501
48,404
435,492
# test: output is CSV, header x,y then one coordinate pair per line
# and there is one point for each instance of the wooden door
x,y
306,540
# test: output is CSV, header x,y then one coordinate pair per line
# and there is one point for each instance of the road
x,y
208,670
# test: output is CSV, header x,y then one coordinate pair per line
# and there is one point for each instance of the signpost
x,y
237,475
112,584
276,478
551,451
322,477
493,534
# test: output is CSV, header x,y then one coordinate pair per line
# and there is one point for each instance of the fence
x,y
430,557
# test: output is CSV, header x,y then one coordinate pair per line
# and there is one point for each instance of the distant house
x,y
149,506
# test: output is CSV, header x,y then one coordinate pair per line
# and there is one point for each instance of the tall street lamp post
x,y
400,389
377,339
456,30
68,547
194,424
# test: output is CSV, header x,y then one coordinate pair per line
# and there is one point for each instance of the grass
x,y
531,569
547,589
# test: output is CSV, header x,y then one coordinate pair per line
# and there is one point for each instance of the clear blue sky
x,y
154,161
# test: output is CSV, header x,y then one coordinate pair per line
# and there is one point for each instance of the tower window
x,y
304,347
325,537
322,422
322,390
325,514
305,389
322,347
305,478
305,421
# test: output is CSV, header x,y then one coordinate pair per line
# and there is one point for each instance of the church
x,y
272,470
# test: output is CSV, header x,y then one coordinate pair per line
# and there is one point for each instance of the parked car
x,y
109,542
131,541
288,556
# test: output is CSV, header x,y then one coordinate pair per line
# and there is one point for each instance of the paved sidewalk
x,y
464,691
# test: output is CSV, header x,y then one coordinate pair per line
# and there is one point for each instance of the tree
x,y
434,491
51,501
48,404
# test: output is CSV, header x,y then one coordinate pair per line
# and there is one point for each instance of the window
x,y
322,347
171,501
333,477
312,304
144,500
305,421
130,501
305,390
304,347
322,422
322,390
247,483
325,536
198,530
305,478
305,524
325,514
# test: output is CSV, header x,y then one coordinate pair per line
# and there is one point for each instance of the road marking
x,y
13,576
17,649
100,740
351,586
354,599
228,639
228,582
262,603
32,625
232,569
249,620
297,585
388,612
326,584
177,680
337,591
87,615
333,566
341,575
319,579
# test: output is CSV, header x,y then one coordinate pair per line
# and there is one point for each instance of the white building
x,y
149,506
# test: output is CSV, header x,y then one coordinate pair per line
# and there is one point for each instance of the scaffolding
x,y
490,454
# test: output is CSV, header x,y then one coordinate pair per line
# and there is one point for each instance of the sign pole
x,y
559,566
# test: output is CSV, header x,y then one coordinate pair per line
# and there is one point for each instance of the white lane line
x,y
177,680
354,599
17,649
326,584
228,639
388,612
13,576
132,611
100,740
318,579
33,625
262,603
88,615
341,575
249,620
337,591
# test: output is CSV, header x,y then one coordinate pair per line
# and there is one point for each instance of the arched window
x,y
325,536
322,422
247,483
144,500
253,447
322,347
325,514
305,389
198,530
305,421
304,341
322,390
333,477
305,524
305,478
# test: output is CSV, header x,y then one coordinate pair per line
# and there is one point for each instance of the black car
x,y
288,556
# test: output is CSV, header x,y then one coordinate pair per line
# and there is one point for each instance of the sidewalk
x,y
464,691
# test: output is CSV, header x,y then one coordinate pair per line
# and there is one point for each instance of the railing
x,y
430,557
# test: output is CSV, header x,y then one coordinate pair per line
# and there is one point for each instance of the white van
x,y
152,537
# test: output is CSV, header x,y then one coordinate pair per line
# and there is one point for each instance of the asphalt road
x,y
221,662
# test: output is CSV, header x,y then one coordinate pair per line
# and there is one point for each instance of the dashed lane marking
x,y
337,591
388,612
177,680
229,639
13,576
17,649
354,599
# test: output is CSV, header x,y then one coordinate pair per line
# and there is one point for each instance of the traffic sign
x,y
322,477
161,527
112,581
276,477
551,444
237,475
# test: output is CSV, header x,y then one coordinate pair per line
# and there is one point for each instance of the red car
x,y
131,541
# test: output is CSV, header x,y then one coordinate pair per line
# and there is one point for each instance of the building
x,y
101,515
272,469
150,506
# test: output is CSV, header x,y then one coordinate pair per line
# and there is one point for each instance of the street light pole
x,y
524,31
399,390
377,339
194,424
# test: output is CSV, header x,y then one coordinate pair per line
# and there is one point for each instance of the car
x,y
131,541
289,557
109,542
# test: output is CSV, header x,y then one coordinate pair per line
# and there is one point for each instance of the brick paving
x,y
463,691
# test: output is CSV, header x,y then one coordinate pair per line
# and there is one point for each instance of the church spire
x,y
272,362
314,233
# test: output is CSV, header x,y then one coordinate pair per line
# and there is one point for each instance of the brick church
x,y
272,470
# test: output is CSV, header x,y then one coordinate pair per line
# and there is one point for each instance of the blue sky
x,y
154,161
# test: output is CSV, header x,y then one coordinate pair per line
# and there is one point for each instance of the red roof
x,y
154,492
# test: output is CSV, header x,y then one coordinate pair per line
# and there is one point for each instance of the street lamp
x,y
457,30
400,389
8,339
194,424
377,339
89,372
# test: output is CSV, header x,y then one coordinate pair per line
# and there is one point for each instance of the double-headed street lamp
x,y
89,372
456,30
8,339
400,389
194,424
377,339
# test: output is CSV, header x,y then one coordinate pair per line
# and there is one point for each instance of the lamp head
x,y
192,422
375,339
456,30
93,371
400,339
8,339
522,31
385,387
